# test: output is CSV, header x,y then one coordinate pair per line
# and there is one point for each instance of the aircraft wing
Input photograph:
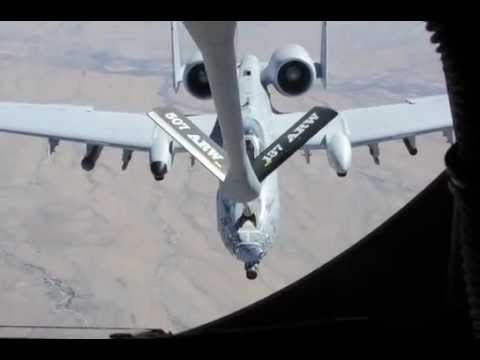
x,y
372,125
132,131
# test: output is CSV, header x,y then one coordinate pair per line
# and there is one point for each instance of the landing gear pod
x,y
159,170
339,153
161,155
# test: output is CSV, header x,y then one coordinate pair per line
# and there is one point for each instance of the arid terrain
x,y
114,248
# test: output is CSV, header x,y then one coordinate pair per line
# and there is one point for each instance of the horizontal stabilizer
x,y
196,142
292,140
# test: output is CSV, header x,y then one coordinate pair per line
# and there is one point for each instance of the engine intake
x,y
196,80
290,70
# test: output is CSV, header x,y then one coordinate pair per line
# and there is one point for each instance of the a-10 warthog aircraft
x,y
246,140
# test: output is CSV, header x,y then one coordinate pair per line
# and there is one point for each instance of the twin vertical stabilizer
x,y
176,56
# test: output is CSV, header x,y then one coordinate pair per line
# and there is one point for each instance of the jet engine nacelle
x,y
339,153
195,78
161,155
290,70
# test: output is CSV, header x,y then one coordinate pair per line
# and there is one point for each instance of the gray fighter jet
x,y
246,140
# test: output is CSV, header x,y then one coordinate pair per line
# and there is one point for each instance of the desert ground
x,y
113,248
